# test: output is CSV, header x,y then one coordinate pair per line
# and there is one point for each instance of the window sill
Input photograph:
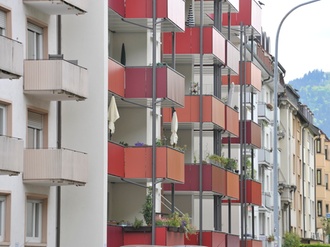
x,y
4,244
35,245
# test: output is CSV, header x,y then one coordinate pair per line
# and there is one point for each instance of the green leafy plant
x,y
137,223
227,163
147,208
291,239
271,238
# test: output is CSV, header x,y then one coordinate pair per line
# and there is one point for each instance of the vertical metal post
x,y
275,165
154,85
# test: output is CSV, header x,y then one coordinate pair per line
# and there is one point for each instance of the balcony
x,y
59,7
213,112
232,122
267,200
232,240
11,155
251,243
11,59
215,179
187,46
123,13
55,80
264,158
263,59
135,163
265,112
209,239
55,167
116,77
232,58
170,86
249,14
253,192
253,135
252,77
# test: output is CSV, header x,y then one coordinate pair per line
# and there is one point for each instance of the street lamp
x,y
275,163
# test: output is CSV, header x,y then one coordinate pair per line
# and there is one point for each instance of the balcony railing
x,y
209,239
55,80
55,167
264,157
253,192
134,163
59,7
267,200
139,12
251,243
11,59
213,112
187,46
232,58
11,155
265,112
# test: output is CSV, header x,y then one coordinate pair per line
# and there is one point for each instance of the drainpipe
x,y
303,175
59,142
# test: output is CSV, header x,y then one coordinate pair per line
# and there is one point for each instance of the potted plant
x,y
270,238
147,208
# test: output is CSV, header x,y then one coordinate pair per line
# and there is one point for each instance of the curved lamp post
x,y
275,162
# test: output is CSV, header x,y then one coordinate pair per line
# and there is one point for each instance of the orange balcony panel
x,y
232,185
188,42
170,85
251,243
253,192
169,162
219,180
114,236
116,77
232,123
249,13
232,57
232,240
209,239
118,6
252,77
171,10
116,159
253,135
213,111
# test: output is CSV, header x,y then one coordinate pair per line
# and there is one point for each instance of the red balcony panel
x,y
169,162
191,175
251,243
252,77
114,236
188,42
219,180
253,192
172,10
253,135
232,57
170,84
116,159
209,239
232,185
116,77
249,13
117,6
213,111
233,240
232,122
142,236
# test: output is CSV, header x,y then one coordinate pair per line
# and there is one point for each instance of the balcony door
x,y
35,41
3,22
35,130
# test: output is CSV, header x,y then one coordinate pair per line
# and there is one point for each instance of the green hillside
x,y
314,91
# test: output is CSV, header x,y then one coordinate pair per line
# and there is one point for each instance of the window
x,y
35,41
319,208
326,208
2,119
2,217
34,222
319,176
326,181
326,152
318,145
36,219
35,130
3,22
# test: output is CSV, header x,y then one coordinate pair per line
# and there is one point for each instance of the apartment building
x,y
321,183
297,166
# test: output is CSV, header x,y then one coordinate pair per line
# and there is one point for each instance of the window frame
x,y
36,25
319,208
319,176
3,119
43,141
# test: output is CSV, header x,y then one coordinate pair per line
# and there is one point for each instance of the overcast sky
x,y
304,40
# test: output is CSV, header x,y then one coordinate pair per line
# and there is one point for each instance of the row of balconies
x,y
42,166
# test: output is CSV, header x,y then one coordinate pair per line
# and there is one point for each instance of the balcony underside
x,y
58,7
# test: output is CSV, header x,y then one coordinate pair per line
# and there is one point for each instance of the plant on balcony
x,y
147,208
194,89
269,106
137,223
270,238
139,144
248,173
125,144
227,163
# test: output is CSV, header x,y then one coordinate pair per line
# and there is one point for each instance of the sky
x,y
304,38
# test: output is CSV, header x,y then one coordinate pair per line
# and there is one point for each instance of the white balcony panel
x,y
11,58
55,80
59,7
55,167
11,155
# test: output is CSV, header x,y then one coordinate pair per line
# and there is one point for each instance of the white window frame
x,y
2,218
35,130
35,41
3,120
34,221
